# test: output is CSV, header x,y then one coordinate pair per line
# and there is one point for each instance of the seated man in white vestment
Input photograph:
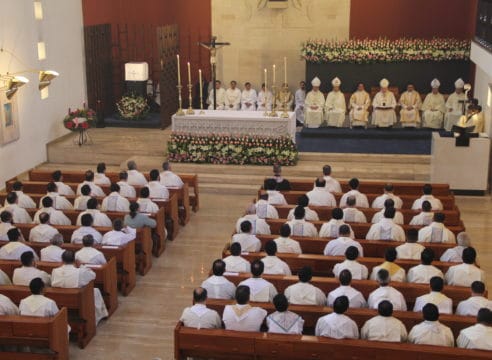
x,y
431,331
386,229
284,99
19,214
242,316
336,325
396,272
357,270
135,177
232,98
456,254
14,248
455,105
335,106
304,293
115,201
260,289
126,190
249,242
7,306
199,316
411,249
285,244
23,275
313,105
410,103
235,262
303,201
260,226
299,98
299,226
87,222
69,276
54,251
378,202
388,204
220,97
146,205
356,299
331,228
421,274
80,202
63,189
248,98
437,231
24,201
264,209
436,297
332,184
384,104
386,292
217,286
384,326
4,278
465,274
320,195
43,232
89,180
338,246
360,101
360,199
265,99
283,321
120,235
89,255
168,178
475,302
100,218
425,217
274,265
100,177
434,108
6,224
436,204
157,190
478,336
37,304
57,217
275,197
351,213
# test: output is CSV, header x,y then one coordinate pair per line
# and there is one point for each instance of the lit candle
x,y
179,71
265,80
189,73
201,86
285,70
273,81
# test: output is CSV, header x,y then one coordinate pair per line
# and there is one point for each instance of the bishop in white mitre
x,y
384,104
299,98
454,105
335,106
360,101
220,97
410,102
265,99
434,107
233,97
249,98
313,105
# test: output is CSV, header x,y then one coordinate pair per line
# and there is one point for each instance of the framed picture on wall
x,y
9,117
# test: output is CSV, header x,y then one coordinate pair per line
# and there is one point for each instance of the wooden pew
x,y
78,301
238,345
105,278
46,333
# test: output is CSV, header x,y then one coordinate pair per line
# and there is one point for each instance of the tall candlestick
x,y
189,73
266,77
179,71
273,81
265,99
201,90
285,70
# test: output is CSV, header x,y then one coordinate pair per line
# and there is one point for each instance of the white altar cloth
x,y
235,123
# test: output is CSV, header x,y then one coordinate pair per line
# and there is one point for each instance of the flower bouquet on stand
x,y
80,120
132,107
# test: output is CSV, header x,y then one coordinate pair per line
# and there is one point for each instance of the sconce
x,y
45,77
13,84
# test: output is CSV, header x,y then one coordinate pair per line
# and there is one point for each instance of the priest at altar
x,y
410,102
265,99
220,97
434,107
360,101
384,104
300,98
454,105
335,106
232,98
284,99
248,98
313,105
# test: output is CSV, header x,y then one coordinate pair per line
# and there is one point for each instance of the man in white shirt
x,y
53,252
320,196
274,265
14,248
89,180
275,197
235,262
100,177
410,250
436,231
264,209
100,219
360,199
434,107
465,274
386,229
299,99
335,106
157,190
56,216
220,97
388,203
454,105
384,327
80,203
19,214
455,254
261,290
384,104
378,202
87,222
304,293
120,235
313,105
410,103
299,226
248,241
357,270
199,316
264,100
168,178
23,275
431,331
338,246
478,336
63,189
283,321
89,255
217,286
24,201
232,98
5,224
115,201
436,204
7,307
135,177
386,292
60,202
303,201
425,217
43,232
242,316
285,244
146,205
337,325
396,272
37,304
475,302
332,185
436,297
421,274
351,213
248,98
260,226
126,190
331,228
356,299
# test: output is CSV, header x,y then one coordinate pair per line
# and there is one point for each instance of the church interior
x,y
384,96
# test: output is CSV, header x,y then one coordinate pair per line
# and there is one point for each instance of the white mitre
x,y
316,82
336,82
384,83
435,83
459,84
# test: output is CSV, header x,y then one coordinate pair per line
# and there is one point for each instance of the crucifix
x,y
213,46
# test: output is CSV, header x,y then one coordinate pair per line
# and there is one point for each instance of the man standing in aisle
x,y
233,97
335,106
314,103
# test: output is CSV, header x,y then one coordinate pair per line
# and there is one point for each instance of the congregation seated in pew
x,y
320,196
386,292
436,204
28,271
331,228
86,228
199,316
24,201
37,304
260,226
168,178
285,244
80,202
261,290
156,188
303,292
478,336
338,246
411,249
380,201
15,248
303,201
436,297
19,214
99,218
136,219
436,231
145,203
299,226
425,217
331,184
54,251
475,302
6,223
120,235
388,203
100,177
283,321
135,177
386,228
264,209
88,254
360,199
89,180
126,189
115,201
43,232
351,213
234,262
337,325
249,241
431,331
242,316
274,265
275,197
60,202
357,270
63,189
466,273
355,297
455,254
421,274
57,217
217,286
282,184
396,272
384,326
